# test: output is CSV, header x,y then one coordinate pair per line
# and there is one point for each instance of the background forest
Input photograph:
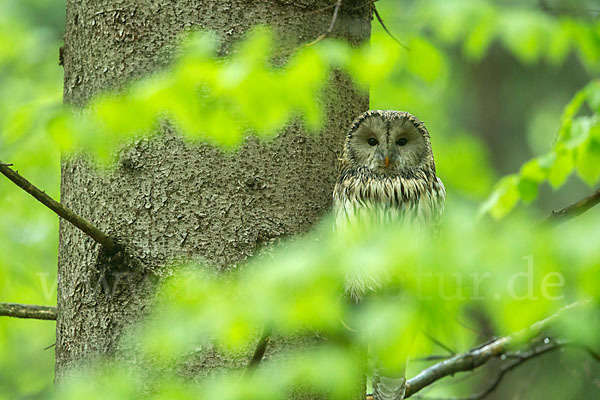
x,y
506,89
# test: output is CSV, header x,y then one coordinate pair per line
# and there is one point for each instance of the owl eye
x,y
372,142
401,142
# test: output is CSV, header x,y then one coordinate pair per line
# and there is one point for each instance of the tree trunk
x,y
165,198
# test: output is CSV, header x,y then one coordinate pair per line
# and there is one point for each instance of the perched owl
x,y
387,172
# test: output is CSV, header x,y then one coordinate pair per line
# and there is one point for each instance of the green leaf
x,y
63,130
528,190
452,19
560,44
575,104
593,95
594,132
561,169
465,155
533,170
503,199
586,40
525,34
588,161
481,36
570,111
578,132
426,61
18,123
372,64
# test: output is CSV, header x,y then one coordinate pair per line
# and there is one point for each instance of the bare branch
x,y
319,10
476,357
386,29
322,36
336,8
329,7
62,211
28,311
519,358
574,210
365,4
261,347
433,357
523,357
442,345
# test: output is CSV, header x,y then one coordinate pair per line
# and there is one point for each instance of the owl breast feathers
x,y
387,173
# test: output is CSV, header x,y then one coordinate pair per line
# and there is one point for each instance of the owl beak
x,y
387,161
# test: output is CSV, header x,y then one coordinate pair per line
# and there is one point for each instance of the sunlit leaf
x,y
425,61
504,197
588,161
561,169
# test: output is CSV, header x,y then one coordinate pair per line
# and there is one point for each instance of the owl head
x,y
389,142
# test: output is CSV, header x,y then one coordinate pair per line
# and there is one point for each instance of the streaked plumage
x,y
387,172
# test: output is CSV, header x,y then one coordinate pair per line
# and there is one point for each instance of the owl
x,y
387,172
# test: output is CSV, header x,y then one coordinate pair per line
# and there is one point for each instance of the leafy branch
x,y
576,148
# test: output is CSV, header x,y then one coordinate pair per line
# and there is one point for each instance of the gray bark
x,y
167,199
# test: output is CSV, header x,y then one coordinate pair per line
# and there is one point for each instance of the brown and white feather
x,y
387,173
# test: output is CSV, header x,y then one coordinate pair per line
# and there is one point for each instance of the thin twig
x,y
329,7
386,29
523,357
319,10
509,366
474,358
47,313
322,36
261,347
64,212
574,210
433,357
467,326
442,345
366,4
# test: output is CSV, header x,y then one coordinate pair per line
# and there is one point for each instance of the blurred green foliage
x,y
298,289
30,84
576,148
